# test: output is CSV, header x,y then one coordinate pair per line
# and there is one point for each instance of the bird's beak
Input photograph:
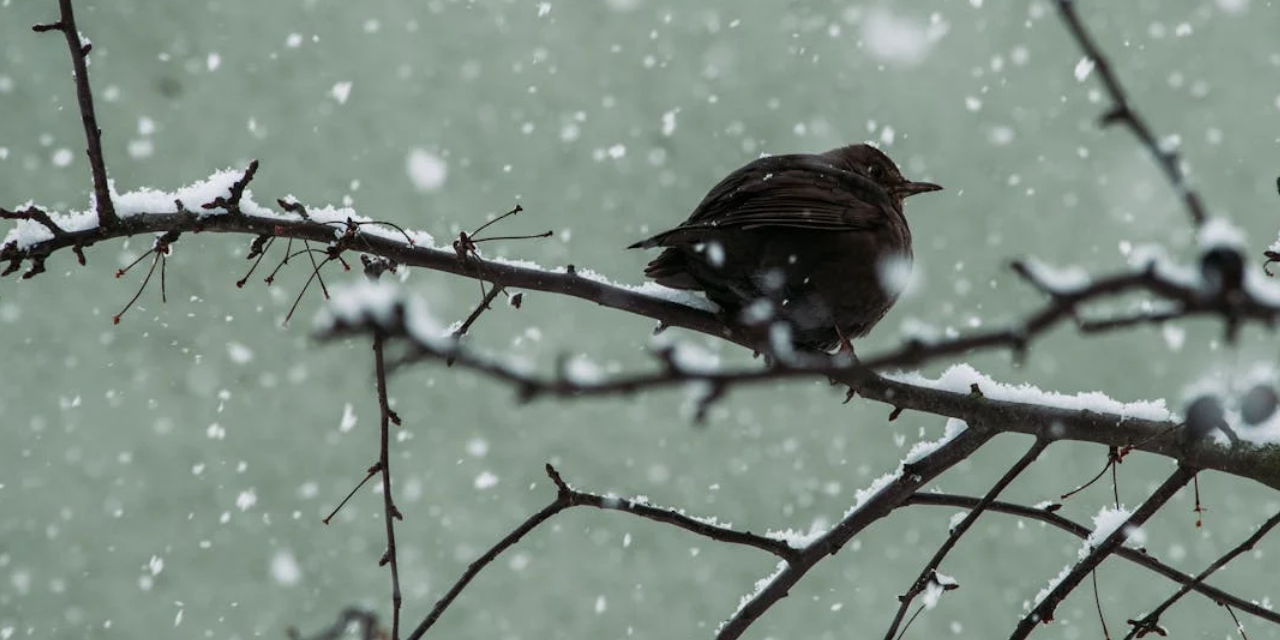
x,y
910,188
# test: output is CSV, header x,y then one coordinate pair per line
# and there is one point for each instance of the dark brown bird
x,y
816,241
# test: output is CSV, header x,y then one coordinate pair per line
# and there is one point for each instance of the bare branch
x,y
84,96
1043,611
568,497
1141,558
1121,112
390,512
1151,621
906,482
927,573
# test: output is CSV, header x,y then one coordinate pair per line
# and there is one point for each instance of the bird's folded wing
x,y
785,191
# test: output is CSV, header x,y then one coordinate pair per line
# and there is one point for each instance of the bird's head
x,y
874,164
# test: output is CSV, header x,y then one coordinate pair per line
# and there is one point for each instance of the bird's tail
x,y
670,269
649,243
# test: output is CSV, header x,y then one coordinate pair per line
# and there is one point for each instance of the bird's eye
x,y
874,170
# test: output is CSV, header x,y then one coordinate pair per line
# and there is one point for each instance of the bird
x,y
813,244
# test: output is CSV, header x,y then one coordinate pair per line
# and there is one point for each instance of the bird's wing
x,y
796,191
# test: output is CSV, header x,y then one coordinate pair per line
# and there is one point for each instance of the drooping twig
x,y
926,574
160,253
1113,458
257,251
390,513
1097,603
1043,610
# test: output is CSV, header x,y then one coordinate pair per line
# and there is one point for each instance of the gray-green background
x,y
166,477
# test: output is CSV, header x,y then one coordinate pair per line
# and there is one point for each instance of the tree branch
x,y
1044,609
1151,621
568,497
1080,531
927,574
88,118
905,482
1122,113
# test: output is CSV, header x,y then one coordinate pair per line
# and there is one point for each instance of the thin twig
x,y
367,476
1141,558
159,257
1122,112
568,497
926,574
107,218
390,512
487,300
879,505
474,569
1097,603
1239,625
1150,621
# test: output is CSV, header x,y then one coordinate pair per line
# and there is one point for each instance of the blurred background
x,y
166,477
